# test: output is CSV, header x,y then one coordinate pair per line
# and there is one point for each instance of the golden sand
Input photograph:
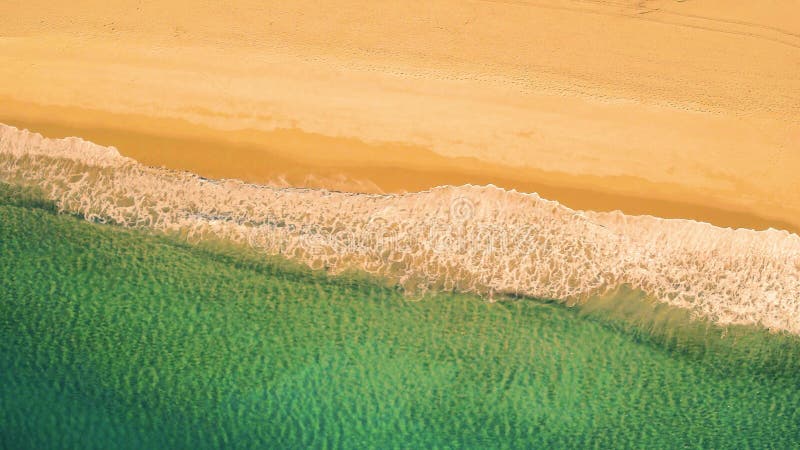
x,y
677,109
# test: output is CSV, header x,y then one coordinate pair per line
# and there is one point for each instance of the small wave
x,y
479,239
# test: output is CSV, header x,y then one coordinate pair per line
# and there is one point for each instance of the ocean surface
x,y
147,308
118,338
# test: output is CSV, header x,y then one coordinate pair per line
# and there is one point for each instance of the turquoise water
x,y
111,338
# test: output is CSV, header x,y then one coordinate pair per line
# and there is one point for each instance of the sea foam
x,y
479,239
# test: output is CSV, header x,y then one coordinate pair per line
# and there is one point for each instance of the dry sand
x,y
678,109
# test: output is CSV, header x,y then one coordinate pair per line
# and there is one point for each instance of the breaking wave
x,y
479,239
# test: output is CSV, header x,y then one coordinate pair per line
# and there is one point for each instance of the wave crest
x,y
484,240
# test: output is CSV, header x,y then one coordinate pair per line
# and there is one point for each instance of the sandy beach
x,y
676,109
399,224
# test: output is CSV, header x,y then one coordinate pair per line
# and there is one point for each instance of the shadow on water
x,y
727,349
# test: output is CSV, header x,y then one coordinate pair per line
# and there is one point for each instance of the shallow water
x,y
475,239
118,338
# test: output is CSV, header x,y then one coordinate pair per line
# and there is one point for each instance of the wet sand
x,y
291,157
675,109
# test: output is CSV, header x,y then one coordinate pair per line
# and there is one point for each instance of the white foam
x,y
470,238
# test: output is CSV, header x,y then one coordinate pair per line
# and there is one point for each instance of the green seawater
x,y
113,338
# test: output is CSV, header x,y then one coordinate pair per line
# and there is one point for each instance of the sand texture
x,y
679,109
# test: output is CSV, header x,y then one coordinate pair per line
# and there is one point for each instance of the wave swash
x,y
484,240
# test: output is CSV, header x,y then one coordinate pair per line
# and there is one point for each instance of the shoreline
x,y
469,238
295,158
